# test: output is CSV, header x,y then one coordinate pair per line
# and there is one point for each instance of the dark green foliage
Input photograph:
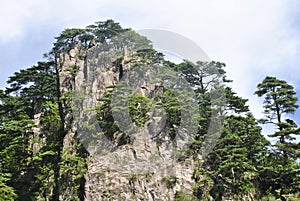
x,y
234,103
280,99
146,58
181,196
36,89
15,131
281,172
278,176
138,108
130,40
170,181
105,117
99,32
68,38
7,193
232,166
34,86
204,76
37,164
171,104
105,30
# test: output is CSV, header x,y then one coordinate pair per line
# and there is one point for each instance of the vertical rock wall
x,y
93,71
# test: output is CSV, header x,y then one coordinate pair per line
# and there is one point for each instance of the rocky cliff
x,y
107,117
129,171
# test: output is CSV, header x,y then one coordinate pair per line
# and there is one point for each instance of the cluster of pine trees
x,y
242,166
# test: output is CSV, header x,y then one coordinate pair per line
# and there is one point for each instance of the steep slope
x,y
88,73
107,117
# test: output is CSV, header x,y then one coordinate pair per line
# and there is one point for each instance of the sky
x,y
254,38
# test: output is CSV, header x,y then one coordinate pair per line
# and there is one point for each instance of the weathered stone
x,y
105,180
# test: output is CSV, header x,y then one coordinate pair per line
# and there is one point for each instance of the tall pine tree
x,y
281,171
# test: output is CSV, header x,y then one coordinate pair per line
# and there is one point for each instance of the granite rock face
x,y
139,170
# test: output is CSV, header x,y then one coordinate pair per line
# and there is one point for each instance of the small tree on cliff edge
x,y
280,173
280,100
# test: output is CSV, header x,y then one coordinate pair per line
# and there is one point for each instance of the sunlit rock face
x,y
141,168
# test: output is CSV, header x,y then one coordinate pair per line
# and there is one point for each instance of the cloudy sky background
x,y
254,38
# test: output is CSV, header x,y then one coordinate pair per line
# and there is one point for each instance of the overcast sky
x,y
254,38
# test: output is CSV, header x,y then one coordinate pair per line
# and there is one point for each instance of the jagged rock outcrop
x,y
88,73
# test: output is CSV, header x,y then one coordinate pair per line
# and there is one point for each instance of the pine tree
x,y
15,131
242,165
281,171
231,167
6,192
279,101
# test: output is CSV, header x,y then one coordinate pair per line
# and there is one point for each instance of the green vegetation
x,y
37,163
170,182
282,177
